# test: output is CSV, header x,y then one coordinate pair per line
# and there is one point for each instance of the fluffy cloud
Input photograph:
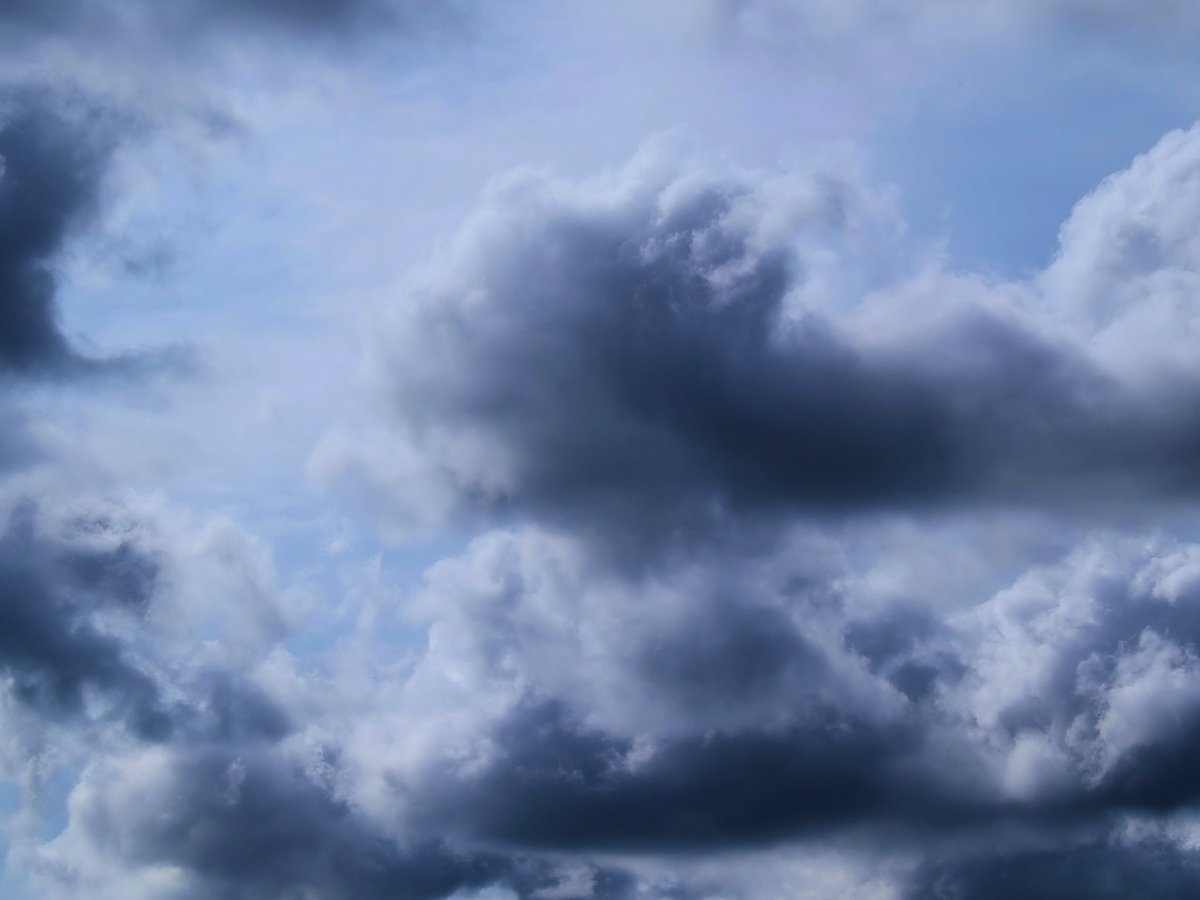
x,y
715,377
653,357
239,822
722,432
1096,868
58,590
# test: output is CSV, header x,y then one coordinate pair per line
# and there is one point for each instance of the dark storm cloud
x,y
1067,701
642,365
730,652
252,824
559,784
54,157
54,651
1097,870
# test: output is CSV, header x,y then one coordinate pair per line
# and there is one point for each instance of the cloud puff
x,y
736,380
567,714
657,362
61,590
650,356
1097,868
241,823
53,162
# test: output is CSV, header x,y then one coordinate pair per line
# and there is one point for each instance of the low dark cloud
x,y
252,824
656,361
665,725
716,374
1102,869
55,153
54,648
243,822
560,785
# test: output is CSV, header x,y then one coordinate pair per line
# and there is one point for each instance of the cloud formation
x,y
656,362
792,559
55,651
54,159
654,356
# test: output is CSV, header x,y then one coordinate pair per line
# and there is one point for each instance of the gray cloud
x,y
54,648
54,159
245,824
558,785
736,380
1097,869
662,724
652,359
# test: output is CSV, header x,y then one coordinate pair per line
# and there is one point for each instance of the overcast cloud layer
x,y
562,453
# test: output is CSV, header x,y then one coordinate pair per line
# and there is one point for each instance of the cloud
x,y
1126,270
61,590
652,356
557,785
560,708
241,823
54,160
1100,869
688,407
119,23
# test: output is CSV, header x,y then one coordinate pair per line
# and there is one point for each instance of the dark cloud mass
x,y
621,366
53,162
1099,870
655,361
54,648
562,786
252,825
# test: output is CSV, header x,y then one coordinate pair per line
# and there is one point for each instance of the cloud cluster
x,y
655,358
722,434
736,382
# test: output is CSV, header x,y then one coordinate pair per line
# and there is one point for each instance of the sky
x,y
552,450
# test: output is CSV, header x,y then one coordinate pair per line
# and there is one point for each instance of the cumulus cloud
x,y
651,356
739,381
238,823
721,432
58,589
1055,707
